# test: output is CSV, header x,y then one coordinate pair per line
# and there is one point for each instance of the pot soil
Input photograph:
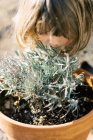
x,y
66,128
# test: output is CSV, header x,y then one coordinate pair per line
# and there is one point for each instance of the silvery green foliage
x,y
43,73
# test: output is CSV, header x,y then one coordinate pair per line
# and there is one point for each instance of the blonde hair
x,y
72,19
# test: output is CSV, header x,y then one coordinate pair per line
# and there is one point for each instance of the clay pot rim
x,y
80,120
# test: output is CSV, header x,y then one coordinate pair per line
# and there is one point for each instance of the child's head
x,y
70,20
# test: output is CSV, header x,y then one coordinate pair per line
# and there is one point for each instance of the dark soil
x,y
23,112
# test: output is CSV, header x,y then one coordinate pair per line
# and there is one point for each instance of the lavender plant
x,y
44,77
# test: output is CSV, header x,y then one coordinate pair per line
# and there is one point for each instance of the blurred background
x,y
8,9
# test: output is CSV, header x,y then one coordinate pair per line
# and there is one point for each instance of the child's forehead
x,y
54,40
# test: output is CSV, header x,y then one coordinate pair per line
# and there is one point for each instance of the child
x,y
66,24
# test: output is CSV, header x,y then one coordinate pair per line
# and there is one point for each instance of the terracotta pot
x,y
75,130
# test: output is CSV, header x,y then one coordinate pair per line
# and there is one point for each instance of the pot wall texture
x,y
76,130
